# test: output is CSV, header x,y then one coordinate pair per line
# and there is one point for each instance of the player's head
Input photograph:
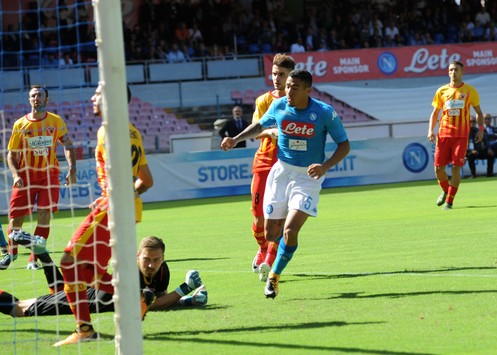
x,y
298,88
96,99
282,65
150,256
38,97
456,70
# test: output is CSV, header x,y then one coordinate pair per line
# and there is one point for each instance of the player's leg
x,y
4,245
257,192
15,223
77,275
441,160
287,247
47,200
458,147
21,202
8,304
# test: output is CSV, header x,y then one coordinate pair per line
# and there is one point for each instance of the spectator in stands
x,y
490,132
181,33
65,60
194,34
483,17
175,55
491,32
297,46
479,150
234,126
391,30
50,61
161,19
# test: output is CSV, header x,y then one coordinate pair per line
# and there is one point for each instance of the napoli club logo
x,y
269,209
415,157
387,63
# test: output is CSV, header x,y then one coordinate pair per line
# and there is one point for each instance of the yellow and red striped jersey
x,y
35,142
455,103
267,153
138,157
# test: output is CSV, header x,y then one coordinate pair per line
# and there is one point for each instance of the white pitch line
x,y
354,274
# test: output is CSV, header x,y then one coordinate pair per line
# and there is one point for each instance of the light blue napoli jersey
x,y
302,133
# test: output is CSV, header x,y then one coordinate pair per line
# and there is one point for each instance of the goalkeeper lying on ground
x,y
154,281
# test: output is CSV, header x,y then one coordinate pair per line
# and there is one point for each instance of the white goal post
x,y
111,67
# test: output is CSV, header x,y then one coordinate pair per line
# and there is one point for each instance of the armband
x,y
480,128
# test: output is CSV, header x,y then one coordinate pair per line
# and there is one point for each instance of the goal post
x,y
112,78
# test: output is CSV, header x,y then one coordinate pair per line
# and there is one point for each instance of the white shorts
x,y
289,187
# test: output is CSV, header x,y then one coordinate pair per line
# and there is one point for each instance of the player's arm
x,y
250,132
145,179
481,124
70,154
317,170
13,163
433,123
268,133
180,295
165,301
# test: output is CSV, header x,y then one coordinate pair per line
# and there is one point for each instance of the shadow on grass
x,y
56,335
183,337
363,274
355,295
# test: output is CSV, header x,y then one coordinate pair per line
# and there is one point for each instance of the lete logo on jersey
x,y
298,129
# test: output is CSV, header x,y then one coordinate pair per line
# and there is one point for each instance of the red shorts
x,y
90,243
450,151
257,190
43,192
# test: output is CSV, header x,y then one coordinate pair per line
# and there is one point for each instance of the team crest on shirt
x,y
313,116
462,96
27,133
51,131
269,209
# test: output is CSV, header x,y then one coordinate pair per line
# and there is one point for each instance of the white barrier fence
x,y
218,173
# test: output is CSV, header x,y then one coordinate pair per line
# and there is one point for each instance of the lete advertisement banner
x,y
389,63
217,173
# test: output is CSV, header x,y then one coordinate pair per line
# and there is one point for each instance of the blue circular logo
x,y
415,157
269,209
387,63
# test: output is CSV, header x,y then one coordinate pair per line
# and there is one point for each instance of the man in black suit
x,y
234,126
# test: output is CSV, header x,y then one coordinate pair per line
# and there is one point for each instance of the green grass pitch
x,y
381,270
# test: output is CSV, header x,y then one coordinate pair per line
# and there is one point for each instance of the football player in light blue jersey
x,y
294,182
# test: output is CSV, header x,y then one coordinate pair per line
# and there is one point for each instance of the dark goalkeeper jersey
x,y
98,301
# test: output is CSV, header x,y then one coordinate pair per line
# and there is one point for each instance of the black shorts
x,y
51,305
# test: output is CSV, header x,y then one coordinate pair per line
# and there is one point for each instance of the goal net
x,y
68,47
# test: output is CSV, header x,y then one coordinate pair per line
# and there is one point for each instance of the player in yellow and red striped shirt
x,y
35,169
86,256
454,100
264,159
